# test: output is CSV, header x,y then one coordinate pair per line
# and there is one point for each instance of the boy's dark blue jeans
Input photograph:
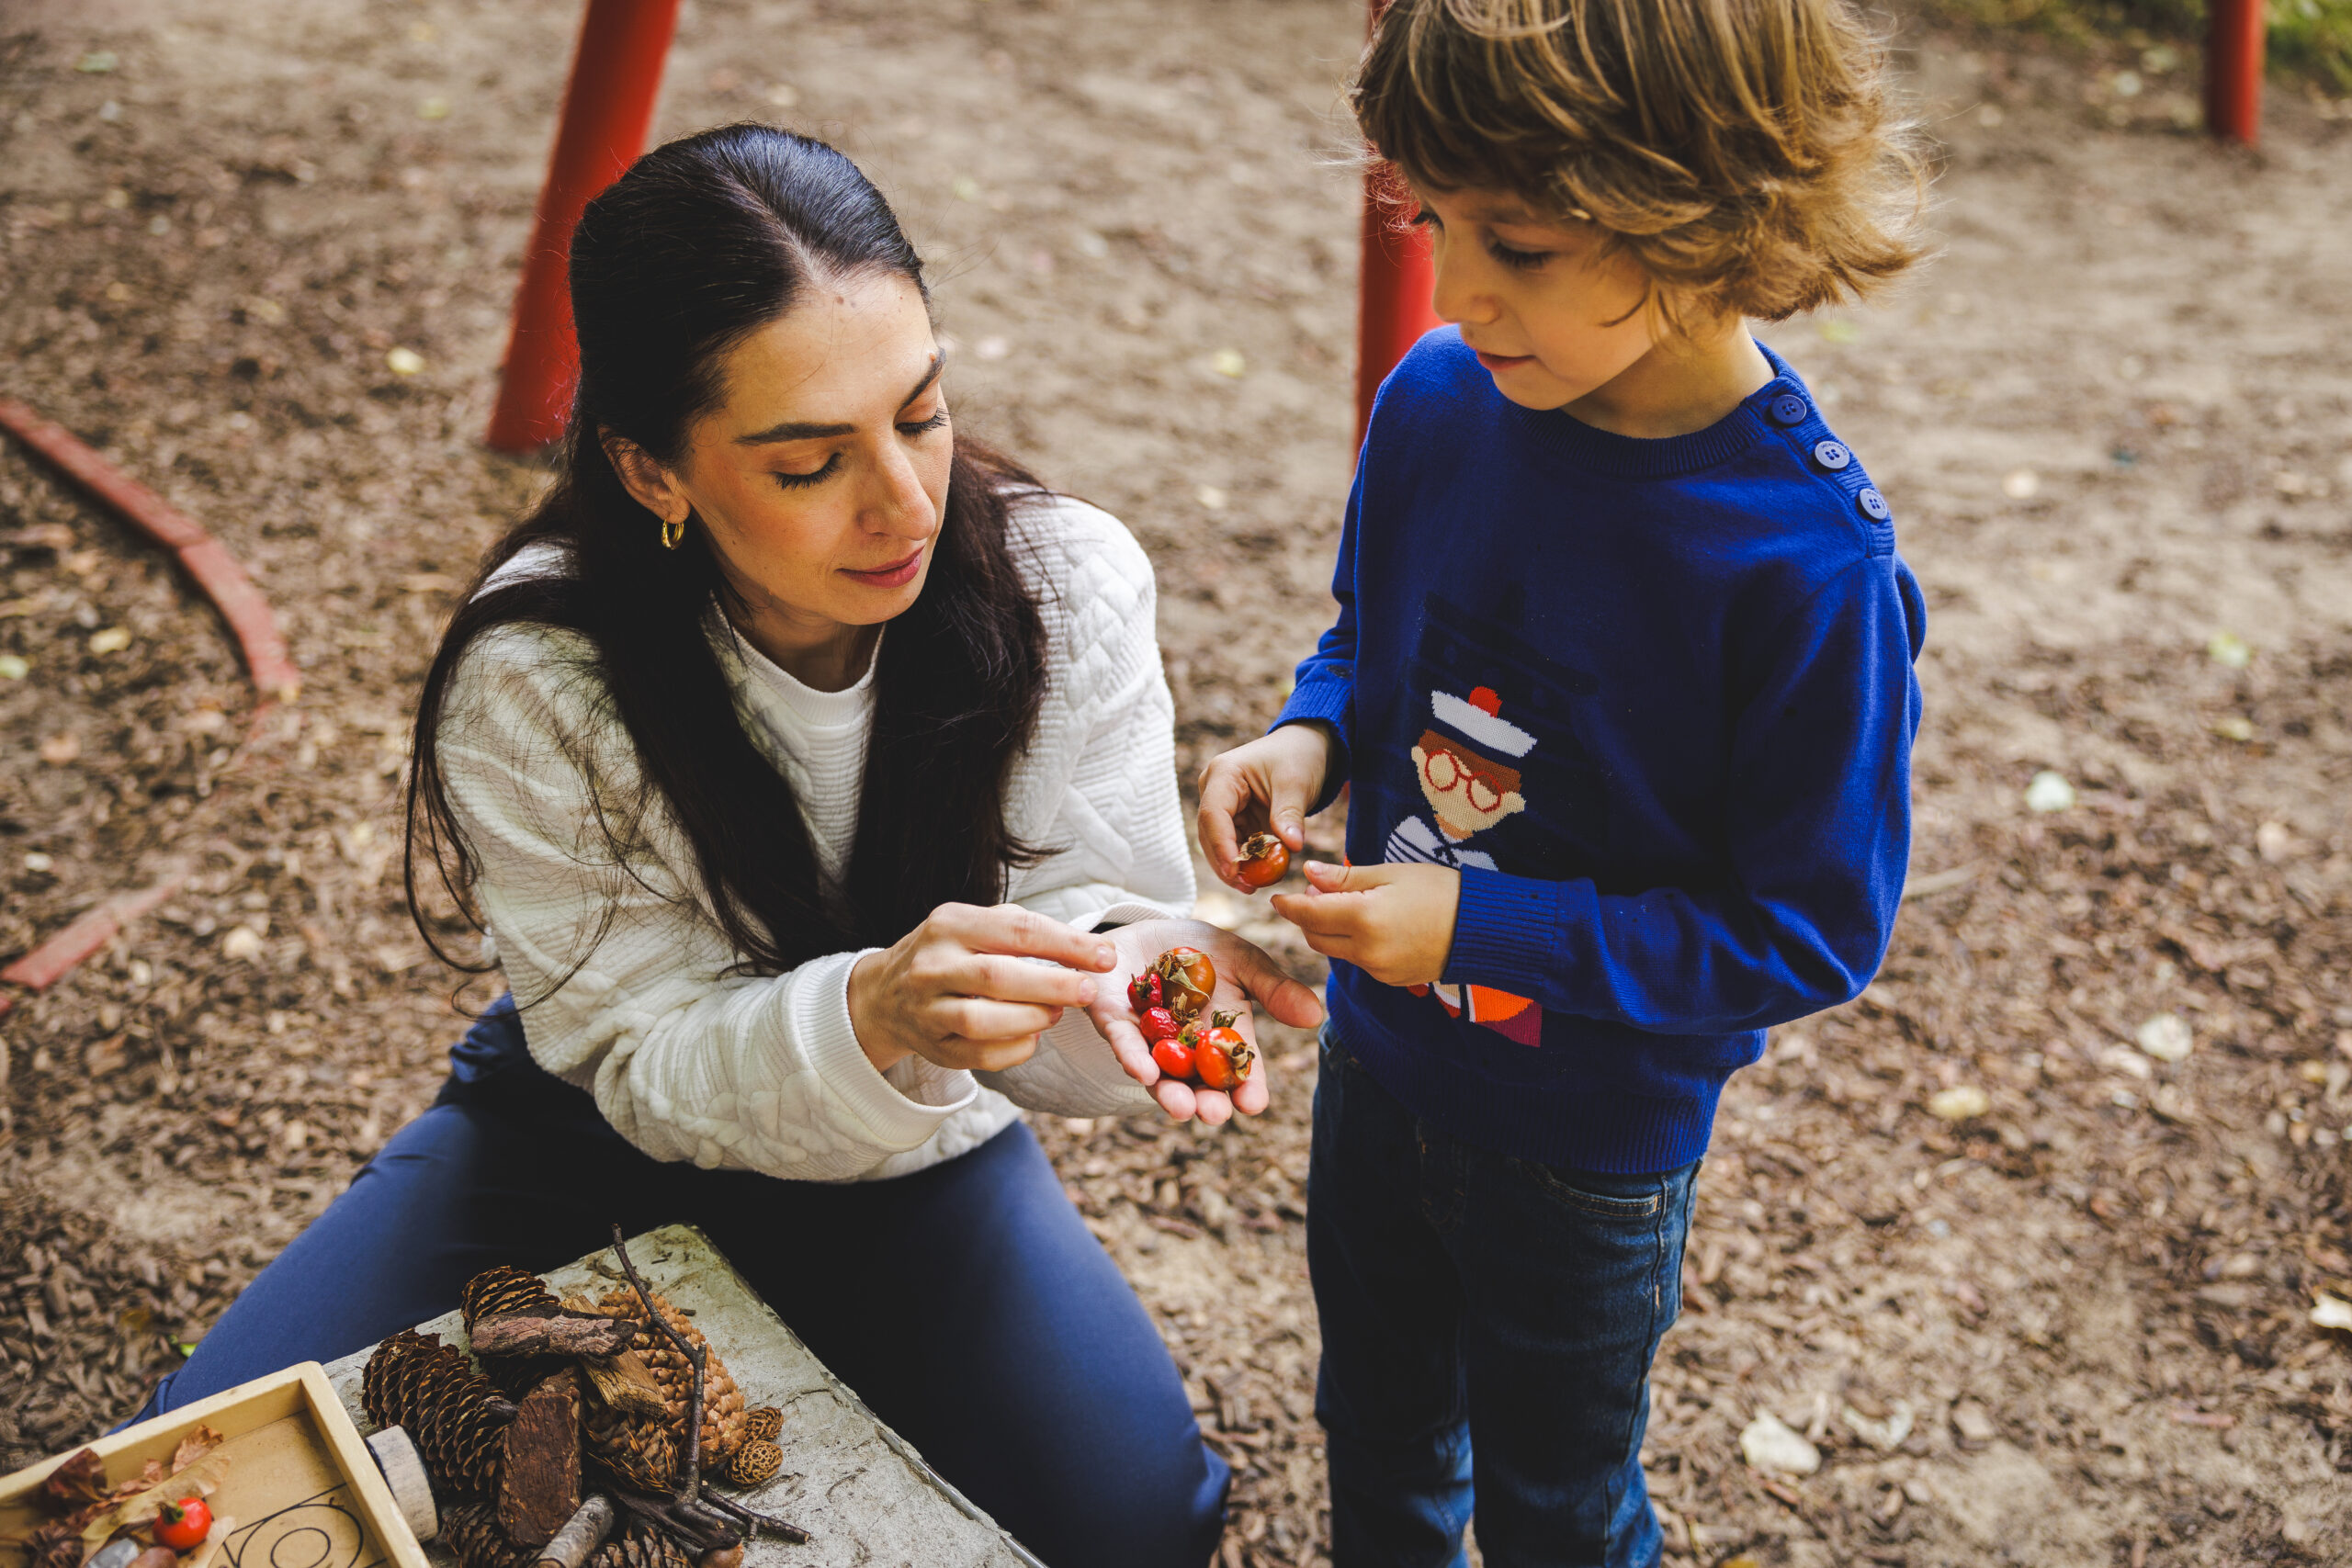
x,y
1477,1305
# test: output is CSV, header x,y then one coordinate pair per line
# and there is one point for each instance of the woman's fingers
x,y
1252,1098
1212,1108
1177,1098
981,1022
1127,1043
1264,981
997,976
1024,933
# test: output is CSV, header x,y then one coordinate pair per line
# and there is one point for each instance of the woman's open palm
x,y
1245,976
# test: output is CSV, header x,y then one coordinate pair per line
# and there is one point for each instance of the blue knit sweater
x,y
1655,700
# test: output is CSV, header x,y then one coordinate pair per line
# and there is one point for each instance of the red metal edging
x,y
203,557
1394,285
608,109
2233,71
92,929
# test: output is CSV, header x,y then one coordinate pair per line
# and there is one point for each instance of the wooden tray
x,y
293,1474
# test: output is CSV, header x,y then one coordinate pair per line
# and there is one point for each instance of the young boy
x,y
1621,681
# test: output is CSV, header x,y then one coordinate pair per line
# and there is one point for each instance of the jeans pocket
x,y
1335,1056
1557,1186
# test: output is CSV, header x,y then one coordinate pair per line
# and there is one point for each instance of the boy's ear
x,y
644,477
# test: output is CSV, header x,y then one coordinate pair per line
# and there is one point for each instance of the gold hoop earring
x,y
673,530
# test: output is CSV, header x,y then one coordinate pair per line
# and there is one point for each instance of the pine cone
x,y
639,1545
722,1409
643,1454
755,1463
499,1292
495,1292
767,1423
470,1531
433,1391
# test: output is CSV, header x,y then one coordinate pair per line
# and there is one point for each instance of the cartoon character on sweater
x,y
1464,763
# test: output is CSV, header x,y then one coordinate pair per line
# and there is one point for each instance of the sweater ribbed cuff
x,y
1505,933
821,1003
1324,699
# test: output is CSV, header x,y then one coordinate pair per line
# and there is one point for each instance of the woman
x,y
809,771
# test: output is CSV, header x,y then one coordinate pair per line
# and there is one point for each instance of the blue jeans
x,y
966,1304
1477,1305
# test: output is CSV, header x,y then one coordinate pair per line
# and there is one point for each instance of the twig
x,y
705,1529
755,1520
582,1535
690,1474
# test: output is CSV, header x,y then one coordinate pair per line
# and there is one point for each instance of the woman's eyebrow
x,y
796,430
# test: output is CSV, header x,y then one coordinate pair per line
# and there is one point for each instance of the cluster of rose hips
x,y
1168,999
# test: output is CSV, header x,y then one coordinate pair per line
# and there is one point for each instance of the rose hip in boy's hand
x,y
1263,788
1264,859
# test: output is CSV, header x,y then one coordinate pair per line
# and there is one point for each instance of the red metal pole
x,y
608,109
2233,71
1393,294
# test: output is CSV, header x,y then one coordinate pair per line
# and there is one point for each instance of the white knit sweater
x,y
629,967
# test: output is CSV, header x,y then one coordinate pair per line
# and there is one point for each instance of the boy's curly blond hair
x,y
1744,151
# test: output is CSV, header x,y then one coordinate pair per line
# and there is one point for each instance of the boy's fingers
x,y
1222,795
1325,877
1321,913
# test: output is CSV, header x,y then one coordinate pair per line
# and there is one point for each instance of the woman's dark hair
x,y
699,245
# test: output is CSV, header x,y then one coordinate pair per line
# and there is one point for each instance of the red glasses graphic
x,y
1444,772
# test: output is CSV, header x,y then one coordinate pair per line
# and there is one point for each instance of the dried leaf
x,y
75,1485
194,1446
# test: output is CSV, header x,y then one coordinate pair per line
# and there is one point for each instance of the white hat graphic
x,y
1479,716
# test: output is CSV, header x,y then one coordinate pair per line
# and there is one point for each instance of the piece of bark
x,y
580,1535
538,1488
519,1335
626,1383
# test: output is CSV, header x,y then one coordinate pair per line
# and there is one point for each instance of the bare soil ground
x,y
2113,418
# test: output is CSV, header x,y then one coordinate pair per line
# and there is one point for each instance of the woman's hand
x,y
1244,975
960,991
1264,786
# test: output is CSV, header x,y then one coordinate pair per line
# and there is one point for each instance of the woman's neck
x,y
825,656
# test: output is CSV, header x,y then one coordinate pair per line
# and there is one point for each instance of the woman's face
x,y
822,476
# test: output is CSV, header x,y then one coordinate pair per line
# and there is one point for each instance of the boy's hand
x,y
1262,787
1394,922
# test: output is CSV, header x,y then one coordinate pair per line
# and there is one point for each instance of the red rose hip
x,y
1175,1058
1264,861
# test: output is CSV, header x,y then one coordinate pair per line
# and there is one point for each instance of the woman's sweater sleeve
x,y
619,968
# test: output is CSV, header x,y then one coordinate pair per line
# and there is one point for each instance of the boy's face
x,y
1551,313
